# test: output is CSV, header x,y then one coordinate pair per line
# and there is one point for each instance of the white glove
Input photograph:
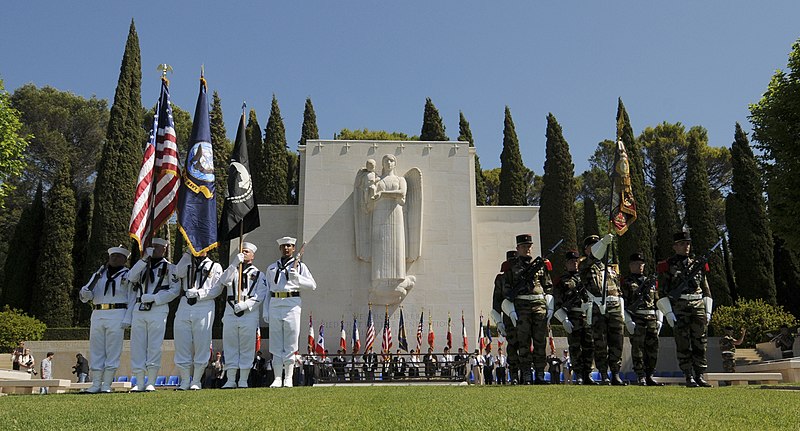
x,y
671,319
658,327
708,303
708,318
629,323
147,253
567,326
511,312
85,295
238,259
501,328
599,248
550,305
192,293
239,306
513,318
124,325
148,297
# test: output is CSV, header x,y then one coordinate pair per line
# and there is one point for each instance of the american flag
x,y
419,330
386,344
481,338
312,343
152,207
343,339
402,341
321,341
370,332
449,332
431,336
356,337
488,333
464,333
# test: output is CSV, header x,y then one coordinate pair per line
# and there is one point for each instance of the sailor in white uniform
x,y
152,275
285,278
240,322
112,300
197,278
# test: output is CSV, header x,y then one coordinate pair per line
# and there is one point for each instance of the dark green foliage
x,y
638,238
787,277
373,135
465,134
120,161
222,154
667,220
276,160
309,129
699,216
52,301
293,177
16,326
748,226
20,265
432,125
513,188
590,226
255,153
557,212
492,178
83,222
776,132
66,334
762,320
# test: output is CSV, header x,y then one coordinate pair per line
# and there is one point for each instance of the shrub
x,y
16,326
754,315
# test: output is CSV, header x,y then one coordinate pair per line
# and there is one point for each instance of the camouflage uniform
x,y
531,308
728,348
640,302
511,332
608,324
581,346
691,338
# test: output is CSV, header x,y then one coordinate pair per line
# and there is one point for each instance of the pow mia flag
x,y
239,213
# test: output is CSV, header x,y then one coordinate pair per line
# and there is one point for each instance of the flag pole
x,y
610,217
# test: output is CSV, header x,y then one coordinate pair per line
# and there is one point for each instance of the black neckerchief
x,y
201,270
282,264
112,274
155,269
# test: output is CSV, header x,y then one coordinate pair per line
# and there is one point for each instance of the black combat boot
x,y
616,381
540,378
514,375
587,380
701,381
578,380
642,381
604,380
651,382
527,377
690,383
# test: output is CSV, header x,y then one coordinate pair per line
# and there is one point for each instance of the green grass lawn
x,y
411,407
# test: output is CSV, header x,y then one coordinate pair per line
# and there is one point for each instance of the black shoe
x,y
539,381
642,382
690,383
651,382
527,378
616,381
587,380
701,381
579,380
604,380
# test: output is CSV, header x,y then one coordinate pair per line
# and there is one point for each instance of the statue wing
x,y
412,212
362,217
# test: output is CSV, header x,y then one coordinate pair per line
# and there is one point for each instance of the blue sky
x,y
372,64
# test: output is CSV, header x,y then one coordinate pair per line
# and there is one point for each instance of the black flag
x,y
239,213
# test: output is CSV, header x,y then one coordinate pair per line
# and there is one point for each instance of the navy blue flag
x,y
239,212
197,206
402,341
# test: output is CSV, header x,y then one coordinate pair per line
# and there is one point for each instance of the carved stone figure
x,y
388,226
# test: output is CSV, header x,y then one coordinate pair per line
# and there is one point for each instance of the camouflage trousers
x,y
511,348
691,343
581,344
729,362
531,326
607,332
644,346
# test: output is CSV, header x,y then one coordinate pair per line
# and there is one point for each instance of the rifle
x,y
648,284
575,298
529,273
696,266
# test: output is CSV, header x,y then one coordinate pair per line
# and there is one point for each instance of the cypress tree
x,y
119,163
222,154
432,125
83,223
590,226
667,220
638,238
20,266
309,131
276,168
465,134
557,212
255,153
787,276
52,303
512,171
748,226
699,216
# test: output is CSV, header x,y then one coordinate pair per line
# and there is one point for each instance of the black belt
x,y
116,306
233,298
284,294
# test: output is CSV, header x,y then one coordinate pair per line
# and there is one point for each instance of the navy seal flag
x,y
239,213
197,206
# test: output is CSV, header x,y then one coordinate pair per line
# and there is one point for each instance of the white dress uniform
x,y
197,282
113,299
282,312
154,293
239,332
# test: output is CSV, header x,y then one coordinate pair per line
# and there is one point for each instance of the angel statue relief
x,y
388,222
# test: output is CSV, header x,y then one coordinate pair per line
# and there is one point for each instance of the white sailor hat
x,y
160,241
249,246
119,250
287,240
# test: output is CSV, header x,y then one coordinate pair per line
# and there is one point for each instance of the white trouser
x,y
147,336
239,338
284,330
105,339
192,328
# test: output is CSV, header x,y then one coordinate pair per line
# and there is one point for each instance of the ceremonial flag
x,y
153,205
356,337
464,333
449,332
197,206
551,341
419,330
239,212
343,339
402,342
321,341
488,333
431,336
258,339
370,332
386,345
481,338
312,343
623,204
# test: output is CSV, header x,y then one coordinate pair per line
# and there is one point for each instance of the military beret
x,y
681,236
591,239
524,238
572,254
636,257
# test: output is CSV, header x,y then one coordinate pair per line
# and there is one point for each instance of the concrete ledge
x,y
744,378
14,375
789,368
26,386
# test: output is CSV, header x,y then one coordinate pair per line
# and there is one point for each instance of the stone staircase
x,y
747,356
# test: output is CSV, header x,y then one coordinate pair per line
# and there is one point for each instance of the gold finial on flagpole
x,y
202,76
164,68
